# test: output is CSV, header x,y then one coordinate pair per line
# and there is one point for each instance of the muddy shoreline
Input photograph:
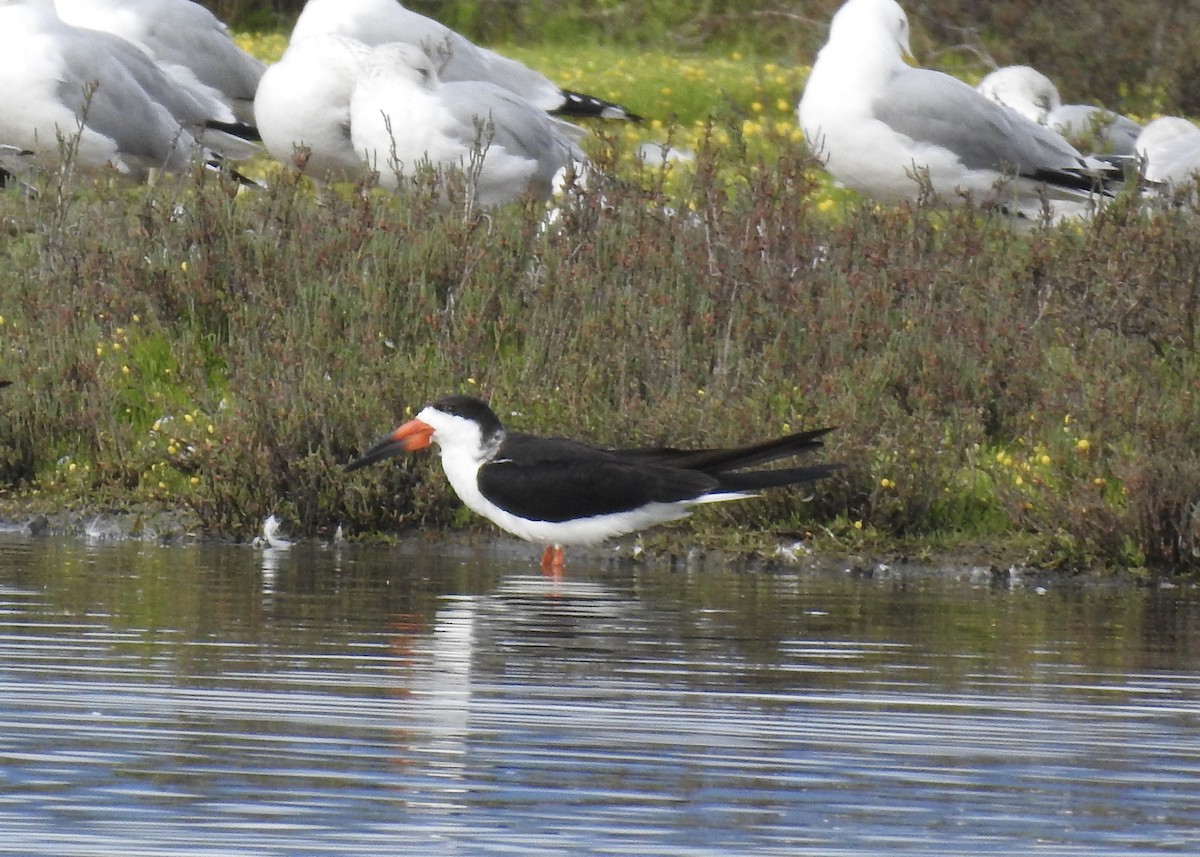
x,y
974,565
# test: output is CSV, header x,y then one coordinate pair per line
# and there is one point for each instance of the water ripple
x,y
591,716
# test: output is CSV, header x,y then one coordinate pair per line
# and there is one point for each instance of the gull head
x,y
398,61
880,23
1023,89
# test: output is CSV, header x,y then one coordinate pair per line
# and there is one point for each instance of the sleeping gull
x,y
95,93
1033,95
377,22
879,124
403,116
1170,148
303,101
183,37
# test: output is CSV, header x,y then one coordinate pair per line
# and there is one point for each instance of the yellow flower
x,y
1044,460
1082,444
858,525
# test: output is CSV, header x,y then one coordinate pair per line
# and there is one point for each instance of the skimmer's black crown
x,y
470,408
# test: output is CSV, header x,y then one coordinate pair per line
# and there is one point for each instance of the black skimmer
x,y
562,492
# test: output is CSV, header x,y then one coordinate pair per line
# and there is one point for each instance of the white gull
x,y
402,116
377,22
94,93
1029,92
302,108
879,124
1170,149
185,39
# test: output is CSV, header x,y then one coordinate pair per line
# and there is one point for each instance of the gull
x,y
880,124
57,82
97,94
16,164
183,37
302,108
377,22
402,116
1170,149
1033,95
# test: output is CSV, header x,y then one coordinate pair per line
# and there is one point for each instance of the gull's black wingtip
x,y
583,106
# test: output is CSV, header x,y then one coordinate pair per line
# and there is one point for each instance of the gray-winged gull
x,y
304,101
1029,92
878,123
377,22
183,37
91,91
402,115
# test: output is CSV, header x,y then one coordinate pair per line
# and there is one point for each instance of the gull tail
x,y
241,130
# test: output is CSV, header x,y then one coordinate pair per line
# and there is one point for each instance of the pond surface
x,y
426,699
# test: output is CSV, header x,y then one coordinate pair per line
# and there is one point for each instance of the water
x,y
219,700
